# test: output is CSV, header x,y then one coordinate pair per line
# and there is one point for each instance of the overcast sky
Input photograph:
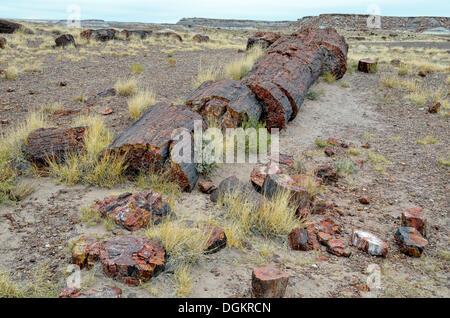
x,y
170,11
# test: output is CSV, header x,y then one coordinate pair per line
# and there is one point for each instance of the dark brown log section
x,y
54,143
64,40
226,102
146,142
8,26
281,79
367,65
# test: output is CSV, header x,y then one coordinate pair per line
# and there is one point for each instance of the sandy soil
x,y
38,229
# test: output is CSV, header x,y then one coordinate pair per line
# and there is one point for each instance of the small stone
x,y
62,84
338,248
302,240
323,238
4,121
364,200
269,282
276,183
327,225
217,240
422,74
319,205
10,90
259,174
206,187
369,243
433,108
413,217
328,174
329,151
410,241
395,62
333,141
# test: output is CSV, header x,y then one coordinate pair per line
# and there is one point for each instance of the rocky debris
x,y
2,43
134,211
329,151
8,26
102,35
10,89
434,108
328,174
410,241
142,34
91,100
369,243
226,102
327,225
359,22
233,185
54,143
65,40
338,247
367,65
269,282
259,174
148,142
302,240
105,292
217,240
413,217
319,205
395,62
264,39
200,38
281,79
206,187
169,34
62,84
422,74
132,259
65,112
4,121
86,251
323,238
274,184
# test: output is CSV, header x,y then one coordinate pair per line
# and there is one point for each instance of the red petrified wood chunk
x,y
86,251
277,183
54,143
328,226
369,243
323,238
319,205
413,217
206,187
259,174
105,292
134,211
302,240
410,241
269,282
328,174
132,259
338,248
217,240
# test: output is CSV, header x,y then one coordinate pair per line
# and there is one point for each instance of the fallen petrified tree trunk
x,y
8,26
146,143
264,39
281,79
225,102
54,144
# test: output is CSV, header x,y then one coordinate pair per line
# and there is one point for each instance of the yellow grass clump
x,y
140,101
126,87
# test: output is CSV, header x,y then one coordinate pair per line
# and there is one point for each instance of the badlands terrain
x,y
384,135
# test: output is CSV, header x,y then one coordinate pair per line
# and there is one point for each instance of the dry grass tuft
x,y
126,87
238,68
136,69
182,281
139,102
8,288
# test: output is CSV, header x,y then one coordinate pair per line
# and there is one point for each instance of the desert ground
x,y
397,157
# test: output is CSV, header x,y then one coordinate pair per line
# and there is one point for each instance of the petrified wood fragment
x,y
86,251
410,241
134,211
65,40
226,102
132,259
275,184
367,65
264,39
54,143
8,26
269,282
302,240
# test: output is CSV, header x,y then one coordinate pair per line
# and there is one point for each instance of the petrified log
x,y
233,185
410,241
86,251
99,35
142,34
369,243
269,282
134,211
169,34
275,184
132,259
338,248
302,240
105,292
64,40
54,144
281,79
367,65
264,39
226,102
413,217
217,240
8,26
200,38
146,143
2,43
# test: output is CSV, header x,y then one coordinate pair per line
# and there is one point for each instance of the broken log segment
x,y
269,282
281,79
225,102
146,143
367,65
276,184
45,144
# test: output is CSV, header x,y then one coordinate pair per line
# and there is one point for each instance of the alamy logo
x,y
374,19
74,16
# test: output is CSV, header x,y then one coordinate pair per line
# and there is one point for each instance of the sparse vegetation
x,y
428,140
346,167
320,143
136,69
126,87
140,101
314,94
89,216
328,77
